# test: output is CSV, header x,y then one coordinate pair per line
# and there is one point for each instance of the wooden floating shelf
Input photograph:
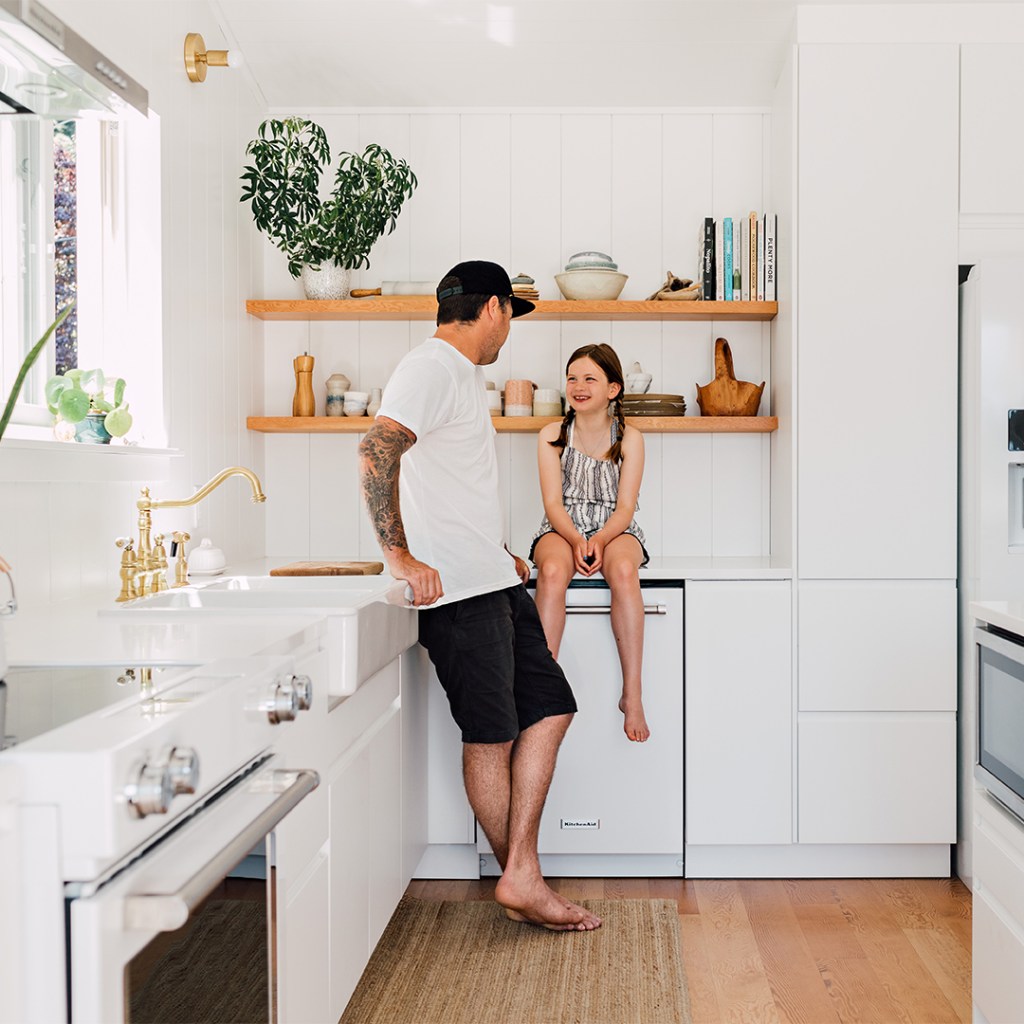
x,y
525,424
424,307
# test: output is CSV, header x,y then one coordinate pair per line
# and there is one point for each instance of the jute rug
x,y
467,963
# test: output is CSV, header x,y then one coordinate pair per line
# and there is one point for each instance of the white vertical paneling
x,y
525,507
687,196
736,494
335,347
649,513
586,184
535,210
636,207
283,341
485,174
686,361
382,346
334,499
737,159
640,343
288,494
687,507
433,212
534,354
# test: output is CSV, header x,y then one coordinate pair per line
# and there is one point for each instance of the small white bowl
x,y
591,285
637,383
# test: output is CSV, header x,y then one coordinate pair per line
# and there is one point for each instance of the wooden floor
x,y
870,951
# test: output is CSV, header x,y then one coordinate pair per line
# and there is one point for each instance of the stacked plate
x,y
591,260
525,287
654,405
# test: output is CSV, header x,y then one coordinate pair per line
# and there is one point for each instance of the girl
x,y
590,470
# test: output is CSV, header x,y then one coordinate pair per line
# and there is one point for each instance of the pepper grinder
x,y
303,404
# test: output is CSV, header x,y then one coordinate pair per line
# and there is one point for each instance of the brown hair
x,y
608,362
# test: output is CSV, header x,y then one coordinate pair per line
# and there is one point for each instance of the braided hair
x,y
608,362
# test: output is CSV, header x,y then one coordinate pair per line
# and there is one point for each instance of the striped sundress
x,y
590,488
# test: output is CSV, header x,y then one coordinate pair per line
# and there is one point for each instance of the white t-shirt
x,y
449,478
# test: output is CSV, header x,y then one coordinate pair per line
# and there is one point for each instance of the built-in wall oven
x,y
999,766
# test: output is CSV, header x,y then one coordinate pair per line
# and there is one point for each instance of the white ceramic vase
x,y
331,281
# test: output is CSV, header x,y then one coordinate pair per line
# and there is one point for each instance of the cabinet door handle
x,y
595,609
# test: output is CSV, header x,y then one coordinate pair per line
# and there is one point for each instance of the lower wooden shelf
x,y
525,424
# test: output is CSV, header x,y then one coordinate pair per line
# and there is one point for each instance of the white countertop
x,y
1004,614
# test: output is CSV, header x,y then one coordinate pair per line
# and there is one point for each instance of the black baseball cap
x,y
479,277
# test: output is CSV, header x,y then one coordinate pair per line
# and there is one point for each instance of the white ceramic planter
x,y
331,281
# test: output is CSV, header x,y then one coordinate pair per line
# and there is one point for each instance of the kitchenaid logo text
x,y
580,822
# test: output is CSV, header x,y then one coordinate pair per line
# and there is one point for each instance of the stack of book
x,y
737,258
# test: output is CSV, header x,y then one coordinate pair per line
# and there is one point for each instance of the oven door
x,y
1000,759
172,937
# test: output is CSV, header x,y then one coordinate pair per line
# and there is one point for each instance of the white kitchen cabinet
x,y
876,314
739,712
304,947
991,149
998,912
385,880
878,645
885,777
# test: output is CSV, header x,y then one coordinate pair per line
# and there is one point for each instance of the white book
x,y
737,249
770,291
745,262
719,262
760,259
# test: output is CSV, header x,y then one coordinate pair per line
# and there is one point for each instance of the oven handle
x,y
168,912
603,609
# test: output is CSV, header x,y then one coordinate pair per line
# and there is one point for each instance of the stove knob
x,y
151,791
304,688
283,704
183,766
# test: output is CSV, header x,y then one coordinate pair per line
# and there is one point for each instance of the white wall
x,y
57,526
528,189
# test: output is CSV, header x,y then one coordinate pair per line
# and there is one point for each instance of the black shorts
x,y
493,661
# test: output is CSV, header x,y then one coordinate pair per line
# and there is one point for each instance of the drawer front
x,y
877,645
998,860
877,778
997,984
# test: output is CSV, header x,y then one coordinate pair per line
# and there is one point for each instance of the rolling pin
x,y
396,288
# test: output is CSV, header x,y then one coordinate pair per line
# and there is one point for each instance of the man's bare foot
x,y
635,725
534,902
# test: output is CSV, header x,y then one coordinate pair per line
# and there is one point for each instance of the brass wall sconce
x,y
198,58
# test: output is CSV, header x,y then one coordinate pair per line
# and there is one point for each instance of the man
x,y
507,694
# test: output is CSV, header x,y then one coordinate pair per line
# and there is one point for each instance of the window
x,y
65,237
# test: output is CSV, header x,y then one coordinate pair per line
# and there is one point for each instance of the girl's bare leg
x,y
555,568
622,558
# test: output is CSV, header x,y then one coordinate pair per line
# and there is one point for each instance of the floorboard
x,y
802,951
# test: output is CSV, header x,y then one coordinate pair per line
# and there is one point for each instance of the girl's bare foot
x,y
635,724
531,900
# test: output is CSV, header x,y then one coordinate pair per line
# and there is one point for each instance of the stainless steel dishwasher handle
x,y
595,609
167,913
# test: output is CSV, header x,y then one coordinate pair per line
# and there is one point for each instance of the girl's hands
x,y
580,553
595,550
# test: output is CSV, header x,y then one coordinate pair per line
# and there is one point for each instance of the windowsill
x,y
44,460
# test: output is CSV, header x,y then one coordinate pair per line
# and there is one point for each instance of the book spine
x,y
760,259
708,259
770,290
719,261
750,267
745,262
737,259
727,251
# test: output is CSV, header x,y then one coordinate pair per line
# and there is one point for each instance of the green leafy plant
x,y
74,395
282,186
29,361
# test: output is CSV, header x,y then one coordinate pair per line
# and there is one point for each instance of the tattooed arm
x,y
380,456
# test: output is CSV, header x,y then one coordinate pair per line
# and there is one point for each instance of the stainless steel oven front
x,y
175,935
999,764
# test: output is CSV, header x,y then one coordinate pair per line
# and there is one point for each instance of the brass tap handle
x,y
178,541
159,564
127,571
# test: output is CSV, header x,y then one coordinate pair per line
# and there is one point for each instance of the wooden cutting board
x,y
329,569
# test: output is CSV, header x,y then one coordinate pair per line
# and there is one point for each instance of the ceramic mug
x,y
355,403
519,397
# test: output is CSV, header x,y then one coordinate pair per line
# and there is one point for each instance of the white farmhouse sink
x,y
369,622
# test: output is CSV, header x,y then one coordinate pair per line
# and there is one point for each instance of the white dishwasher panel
x,y
609,796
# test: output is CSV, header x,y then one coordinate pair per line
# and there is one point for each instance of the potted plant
x,y
88,407
324,239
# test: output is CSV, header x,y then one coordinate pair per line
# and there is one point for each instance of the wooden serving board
x,y
329,569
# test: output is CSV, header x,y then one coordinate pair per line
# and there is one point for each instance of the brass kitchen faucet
x,y
144,570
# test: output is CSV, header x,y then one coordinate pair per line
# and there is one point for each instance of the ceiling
x,y
309,54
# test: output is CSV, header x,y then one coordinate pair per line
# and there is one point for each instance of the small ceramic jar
x,y
518,398
547,402
375,401
337,384
355,403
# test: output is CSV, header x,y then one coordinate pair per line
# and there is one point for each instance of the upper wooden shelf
x,y
424,307
524,424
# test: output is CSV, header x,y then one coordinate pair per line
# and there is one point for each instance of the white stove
x,y
133,806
